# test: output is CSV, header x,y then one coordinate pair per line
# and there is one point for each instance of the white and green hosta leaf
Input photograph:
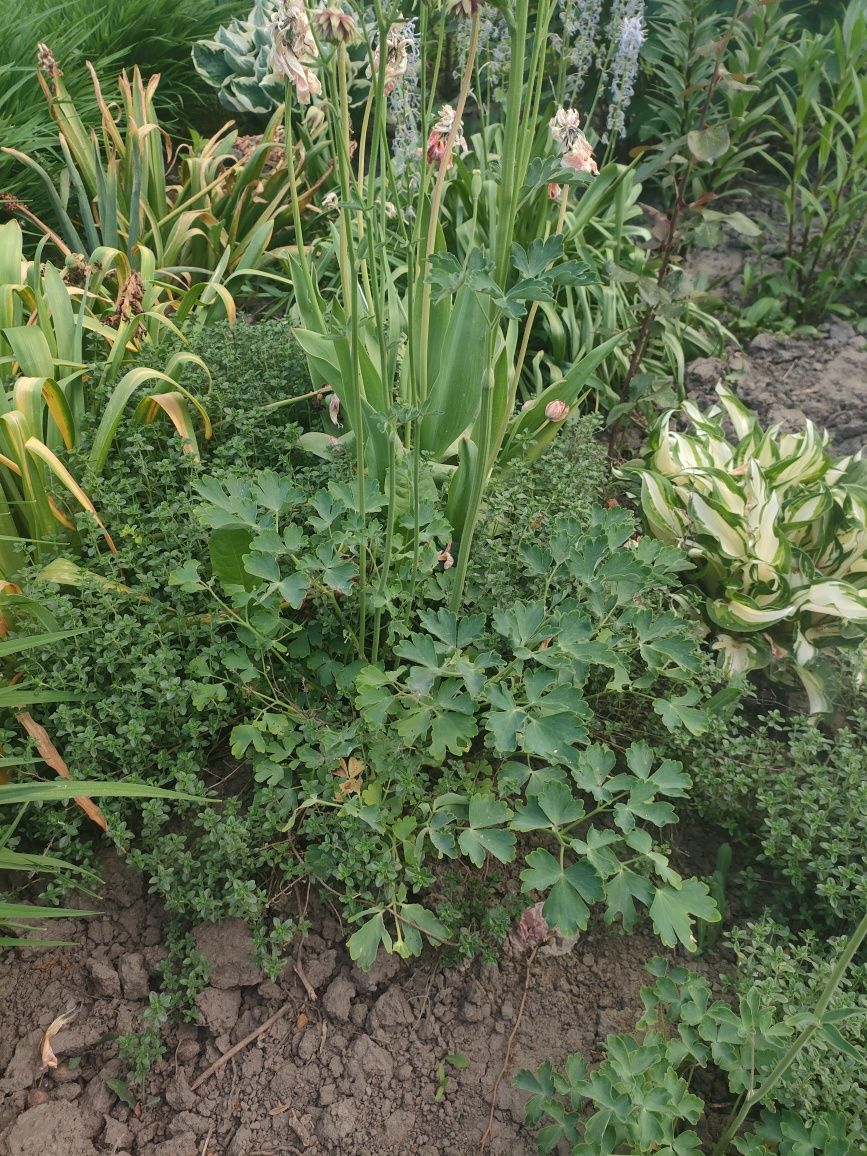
x,y
837,599
661,508
742,614
709,518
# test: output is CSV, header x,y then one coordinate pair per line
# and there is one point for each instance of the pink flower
x,y
575,148
446,557
439,134
556,411
554,191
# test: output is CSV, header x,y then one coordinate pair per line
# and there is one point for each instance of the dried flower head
x,y
335,24
330,202
75,270
530,932
575,148
439,134
556,411
293,49
463,7
45,61
334,408
401,46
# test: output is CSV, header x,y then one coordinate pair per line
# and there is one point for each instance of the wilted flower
x,y
439,134
390,210
445,556
45,61
556,411
330,202
631,36
401,46
335,24
463,7
554,191
575,148
530,932
334,408
293,49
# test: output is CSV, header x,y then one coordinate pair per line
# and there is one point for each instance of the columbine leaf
x,y
365,943
674,909
570,890
680,711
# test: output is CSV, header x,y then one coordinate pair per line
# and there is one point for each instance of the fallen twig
x,y
486,1136
308,986
224,1059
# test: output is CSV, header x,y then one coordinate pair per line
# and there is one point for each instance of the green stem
x,y
436,202
501,236
480,477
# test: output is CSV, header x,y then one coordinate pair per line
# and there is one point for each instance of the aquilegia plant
x,y
424,349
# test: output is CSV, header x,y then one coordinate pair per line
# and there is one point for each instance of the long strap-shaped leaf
x,y
123,392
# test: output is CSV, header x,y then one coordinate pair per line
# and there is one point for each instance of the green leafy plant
x,y
789,971
642,1094
18,696
521,683
801,799
236,61
820,154
779,532
199,210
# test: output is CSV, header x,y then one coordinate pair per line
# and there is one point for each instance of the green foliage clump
x,y
778,532
802,792
643,1096
788,972
138,711
370,755
524,502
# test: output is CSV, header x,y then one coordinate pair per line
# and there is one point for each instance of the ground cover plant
x,y
403,663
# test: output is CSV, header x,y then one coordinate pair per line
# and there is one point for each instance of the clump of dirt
x,y
789,379
353,1063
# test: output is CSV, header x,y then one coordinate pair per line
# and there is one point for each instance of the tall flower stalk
x,y
423,351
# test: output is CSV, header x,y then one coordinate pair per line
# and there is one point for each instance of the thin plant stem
x,y
436,202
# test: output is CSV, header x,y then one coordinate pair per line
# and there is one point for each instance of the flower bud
x,y
335,24
556,411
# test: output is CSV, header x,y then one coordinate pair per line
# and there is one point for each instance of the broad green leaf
x,y
364,944
674,910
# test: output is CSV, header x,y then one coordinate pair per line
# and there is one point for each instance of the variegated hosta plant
x,y
777,528
237,62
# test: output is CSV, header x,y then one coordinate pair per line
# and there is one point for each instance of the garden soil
x,y
787,380
355,1065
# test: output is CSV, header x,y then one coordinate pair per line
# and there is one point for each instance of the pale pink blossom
x,y
556,411
445,556
574,146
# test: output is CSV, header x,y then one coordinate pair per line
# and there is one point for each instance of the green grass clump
x,y
112,35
